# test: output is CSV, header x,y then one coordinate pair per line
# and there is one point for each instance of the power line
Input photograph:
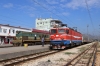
x,y
89,14
63,15
47,9
14,22
71,22
11,18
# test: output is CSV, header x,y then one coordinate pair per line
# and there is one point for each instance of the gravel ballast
x,y
58,59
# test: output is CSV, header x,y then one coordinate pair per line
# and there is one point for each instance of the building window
x,y
37,23
0,29
40,22
13,31
52,26
52,23
9,30
5,30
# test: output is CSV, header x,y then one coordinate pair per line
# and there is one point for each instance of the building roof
x,y
7,25
58,21
40,31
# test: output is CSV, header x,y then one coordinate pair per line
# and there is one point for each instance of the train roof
x,y
40,31
66,28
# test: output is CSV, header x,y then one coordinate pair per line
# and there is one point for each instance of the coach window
x,y
67,31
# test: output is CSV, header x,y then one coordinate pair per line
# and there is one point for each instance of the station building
x,y
47,24
7,33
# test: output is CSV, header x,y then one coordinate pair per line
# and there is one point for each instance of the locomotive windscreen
x,y
61,30
53,31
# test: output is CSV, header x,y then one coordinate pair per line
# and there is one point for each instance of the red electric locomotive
x,y
64,37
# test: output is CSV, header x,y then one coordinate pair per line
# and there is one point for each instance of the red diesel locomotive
x,y
64,37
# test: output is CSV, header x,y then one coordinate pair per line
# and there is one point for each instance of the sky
x,y
74,13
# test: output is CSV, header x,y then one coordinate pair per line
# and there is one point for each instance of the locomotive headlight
x,y
57,35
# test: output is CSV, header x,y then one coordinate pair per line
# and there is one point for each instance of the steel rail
x,y
82,56
94,58
31,58
92,55
69,63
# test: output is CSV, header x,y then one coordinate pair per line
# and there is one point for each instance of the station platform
x,y
5,45
12,52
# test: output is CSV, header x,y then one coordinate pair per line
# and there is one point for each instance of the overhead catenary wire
x,y
90,15
14,22
53,13
71,22
48,10
45,8
20,22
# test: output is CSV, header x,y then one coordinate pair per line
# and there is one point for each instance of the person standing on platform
x,y
42,40
35,37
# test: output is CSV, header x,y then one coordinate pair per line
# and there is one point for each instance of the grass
x,y
82,49
99,46
60,59
69,53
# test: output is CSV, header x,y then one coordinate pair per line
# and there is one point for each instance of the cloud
x,y
75,4
28,9
63,14
31,15
52,1
62,0
8,5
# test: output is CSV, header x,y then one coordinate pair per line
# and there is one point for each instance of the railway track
x,y
17,61
85,58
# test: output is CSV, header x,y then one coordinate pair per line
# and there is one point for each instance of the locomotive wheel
x,y
79,44
72,44
14,44
18,44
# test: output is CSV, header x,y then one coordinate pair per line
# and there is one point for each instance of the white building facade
x,y
47,24
7,33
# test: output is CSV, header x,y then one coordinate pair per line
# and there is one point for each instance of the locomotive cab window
x,y
53,31
61,30
67,31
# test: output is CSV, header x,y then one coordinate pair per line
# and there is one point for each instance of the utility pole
x,y
87,33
